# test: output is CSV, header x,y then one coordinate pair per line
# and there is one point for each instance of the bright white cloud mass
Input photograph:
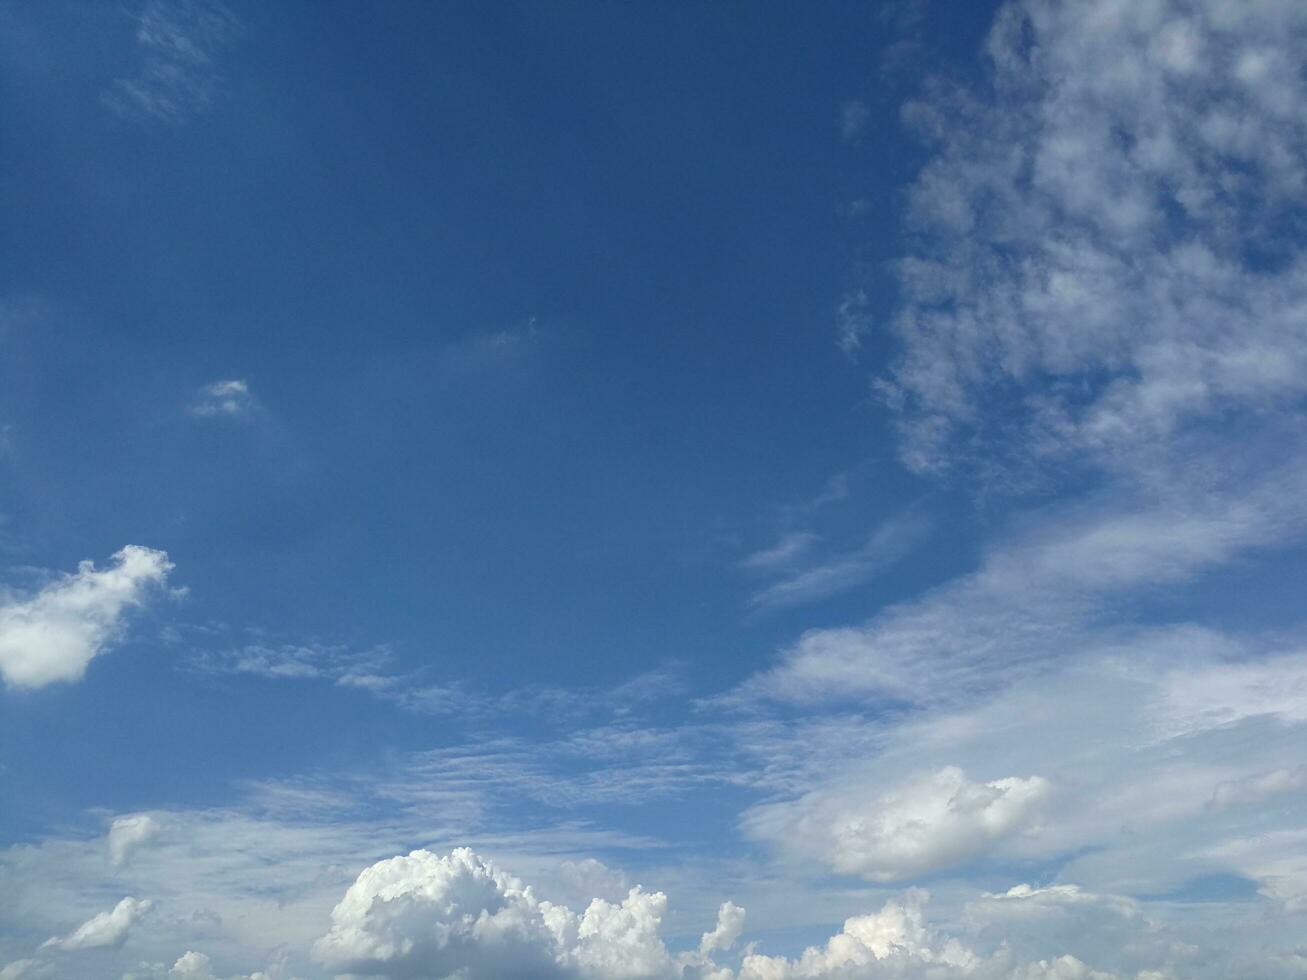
x,y
54,634
933,821
1021,695
106,929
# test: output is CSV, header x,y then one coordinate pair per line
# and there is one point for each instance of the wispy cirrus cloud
x,y
178,43
835,574
788,548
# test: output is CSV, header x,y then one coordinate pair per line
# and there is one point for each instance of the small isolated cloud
x,y
937,820
229,399
53,635
853,321
178,42
853,119
782,554
106,929
126,834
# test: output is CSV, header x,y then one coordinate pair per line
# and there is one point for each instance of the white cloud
x,y
425,914
790,546
1051,921
105,929
232,399
288,661
1222,694
1259,786
19,969
894,539
1277,860
730,923
458,915
53,635
178,42
192,966
1039,597
898,943
1100,247
588,877
894,942
933,821
128,833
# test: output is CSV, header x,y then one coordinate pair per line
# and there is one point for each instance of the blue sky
x,y
809,493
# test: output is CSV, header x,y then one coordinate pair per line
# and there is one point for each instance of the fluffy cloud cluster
x,y
893,942
53,635
1103,242
936,820
458,915
898,943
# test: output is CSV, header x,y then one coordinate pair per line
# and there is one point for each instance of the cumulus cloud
x,y
230,399
457,914
128,833
54,634
1101,251
894,942
192,966
897,943
730,923
105,929
178,42
936,820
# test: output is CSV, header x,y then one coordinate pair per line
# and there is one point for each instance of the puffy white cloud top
x,y
53,635
105,929
459,915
